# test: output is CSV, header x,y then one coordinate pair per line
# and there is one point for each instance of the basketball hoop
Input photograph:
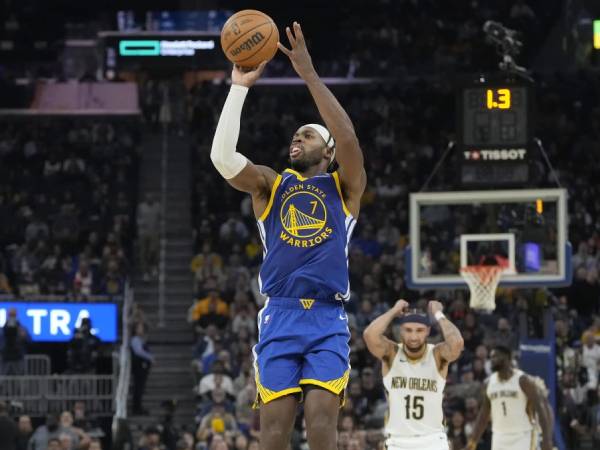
x,y
482,281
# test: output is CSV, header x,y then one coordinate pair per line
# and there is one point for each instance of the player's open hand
x,y
247,77
298,53
400,307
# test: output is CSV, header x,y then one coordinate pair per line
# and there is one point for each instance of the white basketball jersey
x,y
509,404
415,390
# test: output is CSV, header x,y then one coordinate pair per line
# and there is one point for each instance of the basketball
x,y
249,37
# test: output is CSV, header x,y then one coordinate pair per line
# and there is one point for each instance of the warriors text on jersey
x,y
508,404
305,231
415,390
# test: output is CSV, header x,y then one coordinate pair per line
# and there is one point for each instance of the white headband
x,y
326,135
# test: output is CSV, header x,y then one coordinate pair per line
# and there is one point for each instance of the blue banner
x,y
56,322
538,357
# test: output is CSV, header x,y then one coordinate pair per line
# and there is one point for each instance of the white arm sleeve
x,y
223,152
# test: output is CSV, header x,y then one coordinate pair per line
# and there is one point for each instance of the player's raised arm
x,y
239,172
379,345
533,398
450,349
347,149
481,422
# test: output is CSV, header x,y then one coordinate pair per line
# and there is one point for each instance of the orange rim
x,y
486,274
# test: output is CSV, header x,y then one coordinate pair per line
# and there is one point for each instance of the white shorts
x,y
525,440
437,441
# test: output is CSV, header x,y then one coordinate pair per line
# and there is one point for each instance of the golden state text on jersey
x,y
305,231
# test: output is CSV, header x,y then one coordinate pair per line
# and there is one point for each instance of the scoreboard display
x,y
495,117
163,50
494,132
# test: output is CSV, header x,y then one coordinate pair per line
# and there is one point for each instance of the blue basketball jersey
x,y
305,231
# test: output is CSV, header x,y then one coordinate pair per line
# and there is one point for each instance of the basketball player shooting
x,y
305,219
414,375
511,400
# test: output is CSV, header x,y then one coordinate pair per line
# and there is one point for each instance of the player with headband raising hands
x,y
305,220
414,375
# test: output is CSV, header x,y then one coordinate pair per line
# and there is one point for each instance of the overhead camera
x,y
508,44
505,37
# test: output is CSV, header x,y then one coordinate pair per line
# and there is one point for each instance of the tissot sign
x,y
512,154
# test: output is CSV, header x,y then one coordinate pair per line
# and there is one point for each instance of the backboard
x,y
524,231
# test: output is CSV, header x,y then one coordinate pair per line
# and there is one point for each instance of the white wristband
x,y
439,315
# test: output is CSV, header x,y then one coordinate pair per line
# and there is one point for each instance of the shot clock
x,y
494,131
495,116
498,98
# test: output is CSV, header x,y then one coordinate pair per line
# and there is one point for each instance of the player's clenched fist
x,y
400,307
434,306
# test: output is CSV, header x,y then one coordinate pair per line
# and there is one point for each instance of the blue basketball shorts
x,y
301,342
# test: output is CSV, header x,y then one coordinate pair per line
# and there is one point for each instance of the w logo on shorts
x,y
307,302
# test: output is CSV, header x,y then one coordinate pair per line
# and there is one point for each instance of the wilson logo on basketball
x,y
253,41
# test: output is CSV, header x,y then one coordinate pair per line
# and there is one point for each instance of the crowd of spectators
x,y
449,34
68,189
70,430
390,43
67,199
402,131
72,241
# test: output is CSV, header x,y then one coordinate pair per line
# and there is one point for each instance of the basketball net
x,y
482,281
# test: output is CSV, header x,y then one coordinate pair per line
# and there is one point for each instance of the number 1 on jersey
x,y
504,408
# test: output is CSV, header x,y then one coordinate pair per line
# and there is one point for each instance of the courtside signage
x,y
56,322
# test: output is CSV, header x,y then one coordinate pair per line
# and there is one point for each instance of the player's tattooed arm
x,y
374,335
481,422
450,349
533,397
348,152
